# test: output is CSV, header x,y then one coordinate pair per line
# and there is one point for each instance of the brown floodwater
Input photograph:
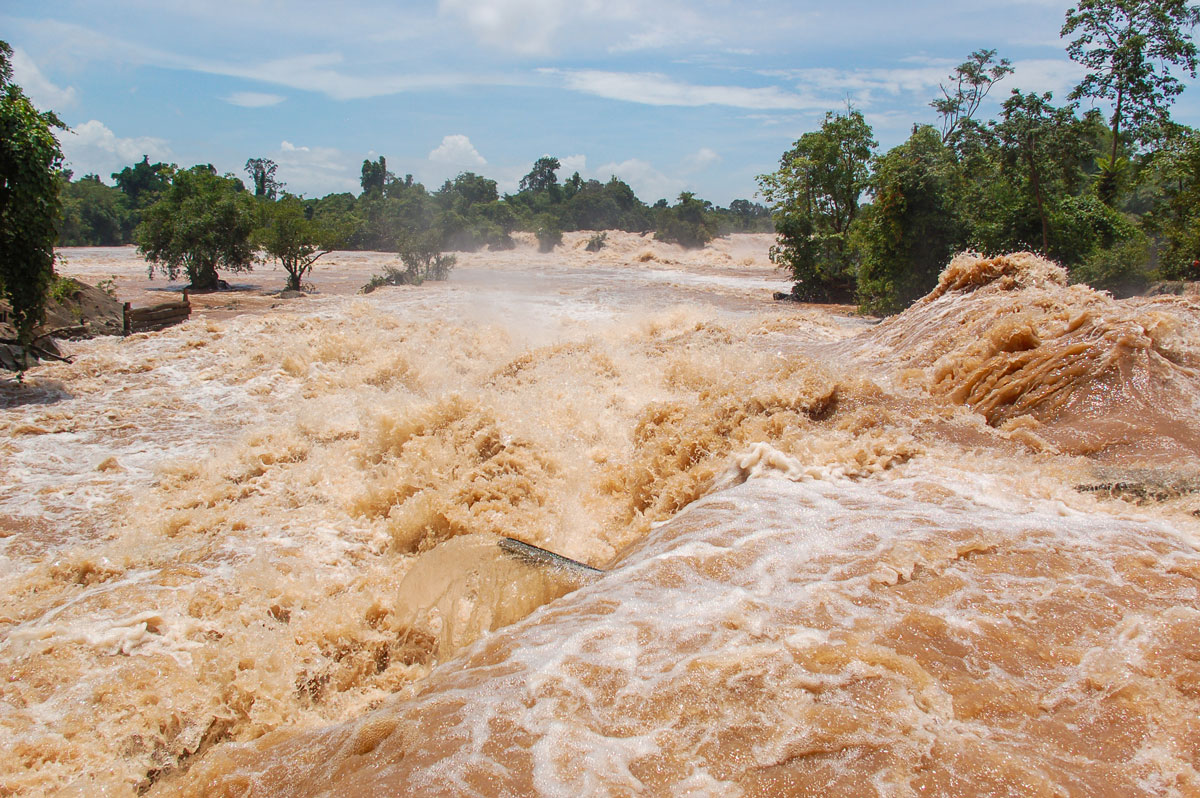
x,y
954,552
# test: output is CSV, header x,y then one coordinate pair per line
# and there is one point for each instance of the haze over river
x,y
951,553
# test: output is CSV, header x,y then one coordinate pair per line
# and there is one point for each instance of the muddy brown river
x,y
952,553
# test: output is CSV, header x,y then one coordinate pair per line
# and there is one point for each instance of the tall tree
x,y
1129,48
261,172
1176,213
914,226
542,176
375,175
815,194
30,160
1044,145
144,182
973,79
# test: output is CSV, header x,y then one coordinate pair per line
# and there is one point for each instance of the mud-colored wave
x,y
1061,364
826,637
218,540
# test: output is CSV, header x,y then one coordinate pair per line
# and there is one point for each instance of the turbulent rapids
x,y
952,553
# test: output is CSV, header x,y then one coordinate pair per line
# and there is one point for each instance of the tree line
x,y
1115,198
467,212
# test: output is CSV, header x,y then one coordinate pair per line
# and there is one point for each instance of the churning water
x,y
953,553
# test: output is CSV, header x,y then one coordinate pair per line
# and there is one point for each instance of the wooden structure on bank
x,y
156,317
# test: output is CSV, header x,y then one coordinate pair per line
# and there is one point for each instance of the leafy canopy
x,y
973,79
30,160
261,172
815,193
202,222
1129,48
287,234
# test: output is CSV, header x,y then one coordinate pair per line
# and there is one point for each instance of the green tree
x,y
913,227
289,236
261,172
93,214
1129,48
1044,146
815,194
1175,216
144,182
202,222
973,79
542,176
375,176
30,160
687,223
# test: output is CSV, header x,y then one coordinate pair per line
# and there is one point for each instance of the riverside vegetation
x,y
1116,199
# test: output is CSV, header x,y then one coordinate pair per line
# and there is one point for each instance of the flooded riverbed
x,y
953,553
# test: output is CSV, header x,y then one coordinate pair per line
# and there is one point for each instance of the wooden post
x,y
125,313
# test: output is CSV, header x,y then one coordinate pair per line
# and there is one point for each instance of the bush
x,y
549,236
423,260
1124,269
596,242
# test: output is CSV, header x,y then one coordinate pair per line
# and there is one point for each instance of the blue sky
x,y
669,95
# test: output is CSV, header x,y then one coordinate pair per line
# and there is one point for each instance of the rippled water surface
x,y
951,553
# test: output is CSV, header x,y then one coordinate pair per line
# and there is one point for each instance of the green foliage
x,y
973,79
30,160
1175,215
61,289
93,214
1129,48
375,176
815,194
744,216
261,172
1041,150
202,222
1123,268
423,260
687,223
913,227
286,234
542,176
549,234
596,242
144,182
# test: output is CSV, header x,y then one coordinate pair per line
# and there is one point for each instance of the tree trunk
x,y
204,278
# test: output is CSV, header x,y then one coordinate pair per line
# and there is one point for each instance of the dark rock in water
x,y
1141,485
1170,287
221,285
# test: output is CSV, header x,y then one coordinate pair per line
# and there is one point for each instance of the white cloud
x,y
700,160
657,89
93,148
647,182
572,164
315,171
253,99
527,27
38,88
457,150
1047,74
